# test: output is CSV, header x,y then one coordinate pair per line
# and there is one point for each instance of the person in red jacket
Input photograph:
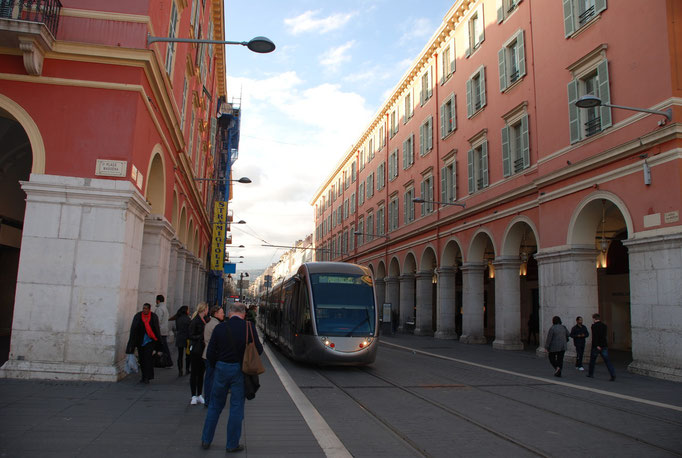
x,y
144,335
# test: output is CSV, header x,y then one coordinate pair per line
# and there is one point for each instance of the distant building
x,y
530,204
107,145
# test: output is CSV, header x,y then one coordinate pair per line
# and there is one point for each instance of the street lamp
x,y
591,101
261,45
244,180
419,200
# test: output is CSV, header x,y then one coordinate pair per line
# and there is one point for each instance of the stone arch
x,y
481,245
156,182
381,270
452,253
429,259
183,226
371,268
409,264
10,109
588,215
517,234
394,267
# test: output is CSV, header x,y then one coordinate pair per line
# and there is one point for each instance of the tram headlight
x,y
365,343
328,343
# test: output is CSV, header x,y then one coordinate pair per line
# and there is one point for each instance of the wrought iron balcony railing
x,y
41,11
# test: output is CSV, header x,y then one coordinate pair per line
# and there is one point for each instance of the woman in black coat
x,y
196,342
182,321
144,335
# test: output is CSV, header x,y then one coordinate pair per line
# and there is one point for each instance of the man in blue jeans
x,y
600,347
225,353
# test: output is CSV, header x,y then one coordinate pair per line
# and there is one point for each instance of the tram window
x,y
304,324
344,304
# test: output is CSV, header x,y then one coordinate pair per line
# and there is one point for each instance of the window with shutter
x,y
580,13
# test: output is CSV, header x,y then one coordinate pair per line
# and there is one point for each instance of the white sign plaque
x,y
110,168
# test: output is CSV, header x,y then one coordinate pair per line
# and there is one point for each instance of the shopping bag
x,y
252,365
131,366
251,385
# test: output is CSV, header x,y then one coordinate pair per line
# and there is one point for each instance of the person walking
x,y
182,321
144,335
579,333
162,313
226,352
217,314
556,345
196,342
600,347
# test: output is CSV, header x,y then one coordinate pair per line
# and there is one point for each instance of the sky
x,y
306,103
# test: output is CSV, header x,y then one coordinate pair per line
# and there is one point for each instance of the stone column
x,y
507,304
655,305
155,261
406,300
380,288
202,284
424,321
180,278
172,273
568,288
446,306
77,285
472,303
187,290
393,294
195,280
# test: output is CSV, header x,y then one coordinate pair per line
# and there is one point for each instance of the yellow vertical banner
x,y
218,240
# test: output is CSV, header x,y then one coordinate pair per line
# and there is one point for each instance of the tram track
x,y
485,389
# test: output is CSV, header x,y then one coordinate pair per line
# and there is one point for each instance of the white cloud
x,y
308,22
334,57
416,29
291,138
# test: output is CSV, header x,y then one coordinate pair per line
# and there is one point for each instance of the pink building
x,y
103,138
533,206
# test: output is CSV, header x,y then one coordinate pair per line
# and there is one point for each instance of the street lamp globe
x,y
261,45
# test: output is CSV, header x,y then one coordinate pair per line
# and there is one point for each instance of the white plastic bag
x,y
131,364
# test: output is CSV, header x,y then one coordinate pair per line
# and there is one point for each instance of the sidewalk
x,y
67,419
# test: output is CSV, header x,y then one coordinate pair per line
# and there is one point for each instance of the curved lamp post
x,y
261,45
591,101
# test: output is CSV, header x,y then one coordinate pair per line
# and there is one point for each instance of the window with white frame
x,y
393,128
352,203
381,141
393,213
592,79
381,176
427,194
448,182
333,218
353,172
369,228
426,136
476,99
515,143
361,158
447,61
393,165
346,209
408,206
381,223
408,152
172,33
339,190
478,165
579,13
370,186
197,19
427,85
448,116
505,8
361,231
361,194
475,30
409,108
511,61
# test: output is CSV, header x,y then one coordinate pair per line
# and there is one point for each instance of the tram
x,y
325,314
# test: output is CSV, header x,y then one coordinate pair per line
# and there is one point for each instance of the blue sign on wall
x,y
230,268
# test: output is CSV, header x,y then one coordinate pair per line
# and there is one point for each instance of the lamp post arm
x,y
151,39
667,113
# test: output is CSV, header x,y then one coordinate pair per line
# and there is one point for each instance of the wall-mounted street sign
x,y
110,168
218,240
230,268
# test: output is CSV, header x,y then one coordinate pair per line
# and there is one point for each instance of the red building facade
x,y
533,207
104,139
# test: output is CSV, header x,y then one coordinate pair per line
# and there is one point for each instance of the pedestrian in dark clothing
x,y
144,335
579,333
600,347
162,313
196,345
226,352
556,345
182,321
217,315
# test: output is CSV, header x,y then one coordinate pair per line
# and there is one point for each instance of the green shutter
x,y
467,51
506,153
453,182
443,184
404,154
484,163
481,33
422,139
500,11
599,6
525,142
569,22
472,178
469,99
452,56
521,52
573,114
453,113
482,87
429,133
604,93
425,196
442,120
405,209
501,64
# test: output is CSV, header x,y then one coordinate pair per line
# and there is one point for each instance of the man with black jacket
x,y
600,347
579,333
225,353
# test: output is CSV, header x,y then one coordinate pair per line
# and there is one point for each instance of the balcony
x,y
31,26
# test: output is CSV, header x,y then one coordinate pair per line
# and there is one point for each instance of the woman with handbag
x,y
196,350
182,321
225,353
144,335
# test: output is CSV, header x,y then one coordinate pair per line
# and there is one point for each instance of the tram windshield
x,y
344,304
